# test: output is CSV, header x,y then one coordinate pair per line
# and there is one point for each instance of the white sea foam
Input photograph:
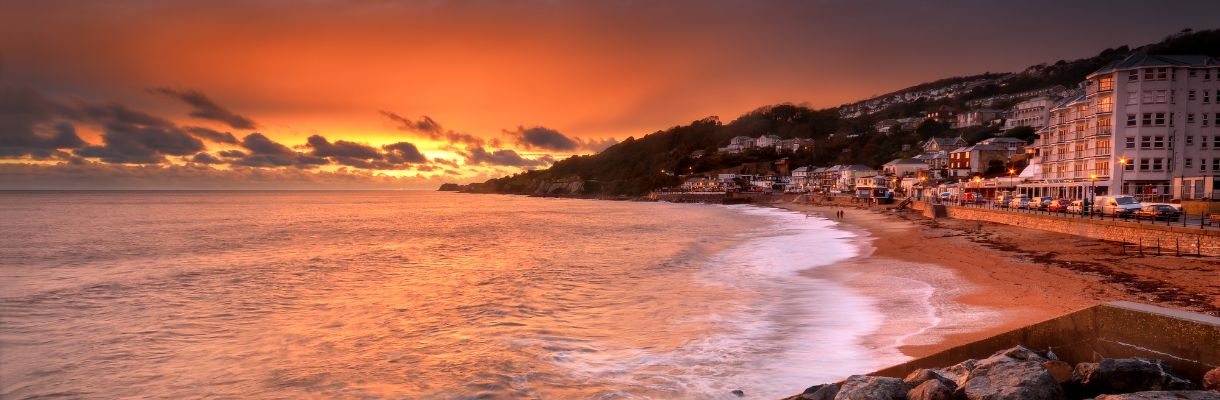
x,y
778,334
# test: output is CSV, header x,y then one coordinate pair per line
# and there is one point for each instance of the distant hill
x,y
843,135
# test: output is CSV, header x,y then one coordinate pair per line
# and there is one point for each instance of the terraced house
x,y
1143,126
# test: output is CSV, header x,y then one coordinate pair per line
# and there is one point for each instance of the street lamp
x,y
1122,162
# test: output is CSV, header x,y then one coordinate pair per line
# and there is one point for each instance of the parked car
x,y
1041,203
1116,205
1159,211
1076,207
1058,205
1019,202
1002,200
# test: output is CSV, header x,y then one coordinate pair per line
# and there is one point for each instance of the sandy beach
x,y
982,278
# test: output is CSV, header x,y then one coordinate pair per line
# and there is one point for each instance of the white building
x,y
1032,113
1142,122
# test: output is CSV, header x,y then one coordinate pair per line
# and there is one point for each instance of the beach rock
x,y
1012,380
960,372
1127,375
922,375
931,389
1061,371
739,393
1164,395
1019,353
818,392
860,387
1211,380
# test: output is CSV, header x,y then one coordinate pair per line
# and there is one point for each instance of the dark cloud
x,y
403,153
429,128
504,157
543,138
341,148
399,155
446,162
260,144
204,108
32,125
40,127
211,135
232,153
127,142
83,174
205,158
425,124
265,152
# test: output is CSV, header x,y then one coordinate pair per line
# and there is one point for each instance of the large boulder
x,y
932,389
922,375
860,387
1012,380
1019,353
1164,395
960,372
1127,375
1061,371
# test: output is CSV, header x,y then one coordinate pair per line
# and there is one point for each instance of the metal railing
x,y
1205,221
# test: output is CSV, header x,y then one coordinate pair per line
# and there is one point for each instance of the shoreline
x,y
982,279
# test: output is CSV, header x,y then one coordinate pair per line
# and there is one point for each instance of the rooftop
x,y
1138,60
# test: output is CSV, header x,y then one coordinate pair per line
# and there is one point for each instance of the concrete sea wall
x,y
1120,329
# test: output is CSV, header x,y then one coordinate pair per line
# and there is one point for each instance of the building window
x,y
1131,119
1158,164
1216,141
1205,119
1106,83
1146,120
1144,164
1162,73
1207,74
1133,98
1203,164
1216,164
1190,95
1129,166
1158,119
1190,140
1145,142
1207,97
1188,160
1133,75
1190,118
1158,142
1130,143
1203,141
1192,73
1217,115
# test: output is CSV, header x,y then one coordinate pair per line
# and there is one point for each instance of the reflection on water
x,y
418,295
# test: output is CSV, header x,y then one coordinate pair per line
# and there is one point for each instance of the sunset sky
x,y
345,94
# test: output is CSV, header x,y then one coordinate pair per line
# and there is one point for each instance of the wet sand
x,y
946,282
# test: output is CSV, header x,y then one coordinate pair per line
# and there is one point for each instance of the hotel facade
x,y
1143,126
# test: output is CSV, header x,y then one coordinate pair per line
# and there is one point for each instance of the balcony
x,y
1101,151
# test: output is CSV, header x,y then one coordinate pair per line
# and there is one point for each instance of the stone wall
x,y
1170,239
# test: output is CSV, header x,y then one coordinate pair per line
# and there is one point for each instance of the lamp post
x,y
1092,191
1122,162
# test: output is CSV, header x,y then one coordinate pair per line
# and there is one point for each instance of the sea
x,y
419,295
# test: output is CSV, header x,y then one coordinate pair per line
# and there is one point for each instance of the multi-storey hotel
x,y
1143,124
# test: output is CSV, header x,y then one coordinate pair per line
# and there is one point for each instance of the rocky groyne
x,y
1020,373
